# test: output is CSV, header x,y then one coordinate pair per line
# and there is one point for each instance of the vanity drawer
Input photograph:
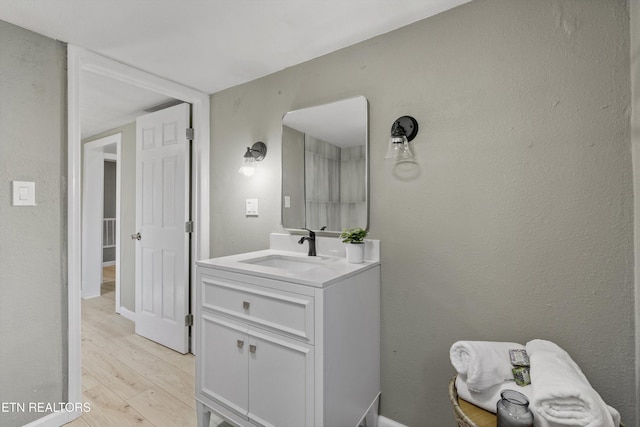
x,y
276,310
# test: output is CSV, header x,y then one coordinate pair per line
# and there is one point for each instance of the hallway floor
x,y
127,379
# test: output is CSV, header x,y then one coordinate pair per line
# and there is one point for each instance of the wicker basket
x,y
461,417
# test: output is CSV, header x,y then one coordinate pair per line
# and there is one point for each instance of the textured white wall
x,y
32,250
516,222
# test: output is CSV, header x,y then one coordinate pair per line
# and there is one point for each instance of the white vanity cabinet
x,y
287,351
247,365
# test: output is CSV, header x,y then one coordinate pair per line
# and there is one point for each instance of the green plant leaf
x,y
353,235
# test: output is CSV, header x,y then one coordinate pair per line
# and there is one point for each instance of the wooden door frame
x,y
79,60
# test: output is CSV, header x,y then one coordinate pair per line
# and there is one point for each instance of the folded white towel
x,y
484,363
562,395
488,398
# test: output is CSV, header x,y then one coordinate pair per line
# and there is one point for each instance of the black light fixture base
x,y
409,124
258,150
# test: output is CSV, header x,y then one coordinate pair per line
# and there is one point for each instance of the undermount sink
x,y
289,263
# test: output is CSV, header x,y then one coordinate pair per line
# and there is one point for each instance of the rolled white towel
x,y
484,363
488,398
562,395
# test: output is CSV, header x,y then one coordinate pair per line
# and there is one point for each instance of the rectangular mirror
x,y
325,166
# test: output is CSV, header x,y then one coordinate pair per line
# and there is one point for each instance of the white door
x,y
162,209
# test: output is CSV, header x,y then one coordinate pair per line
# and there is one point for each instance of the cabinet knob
x,y
252,348
246,305
240,343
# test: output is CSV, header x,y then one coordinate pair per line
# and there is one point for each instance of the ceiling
x,y
208,45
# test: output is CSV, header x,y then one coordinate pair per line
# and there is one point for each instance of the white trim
x,y
118,221
92,199
386,422
54,420
117,158
74,228
127,314
79,60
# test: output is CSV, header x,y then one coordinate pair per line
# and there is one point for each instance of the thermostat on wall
x,y
24,193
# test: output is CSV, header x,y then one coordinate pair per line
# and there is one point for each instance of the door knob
x,y
136,236
252,348
239,343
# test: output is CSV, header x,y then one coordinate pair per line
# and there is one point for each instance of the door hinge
x,y
190,134
188,320
188,227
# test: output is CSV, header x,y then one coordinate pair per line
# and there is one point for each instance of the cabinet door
x,y
223,366
280,380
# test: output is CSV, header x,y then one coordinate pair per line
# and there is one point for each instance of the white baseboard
x,y
126,313
386,422
53,420
108,263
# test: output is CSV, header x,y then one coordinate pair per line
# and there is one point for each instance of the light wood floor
x,y
109,274
129,380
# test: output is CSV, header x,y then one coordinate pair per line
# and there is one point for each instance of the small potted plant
x,y
354,237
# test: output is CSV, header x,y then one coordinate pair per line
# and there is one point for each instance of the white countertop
x,y
325,271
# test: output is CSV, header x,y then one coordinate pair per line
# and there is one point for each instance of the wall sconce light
x,y
254,154
403,130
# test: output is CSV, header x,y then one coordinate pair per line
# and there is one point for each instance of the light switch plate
x,y
251,208
24,193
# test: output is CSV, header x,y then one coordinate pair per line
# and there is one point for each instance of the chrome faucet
x,y
312,242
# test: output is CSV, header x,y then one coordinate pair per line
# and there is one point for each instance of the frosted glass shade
x,y
248,167
399,148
